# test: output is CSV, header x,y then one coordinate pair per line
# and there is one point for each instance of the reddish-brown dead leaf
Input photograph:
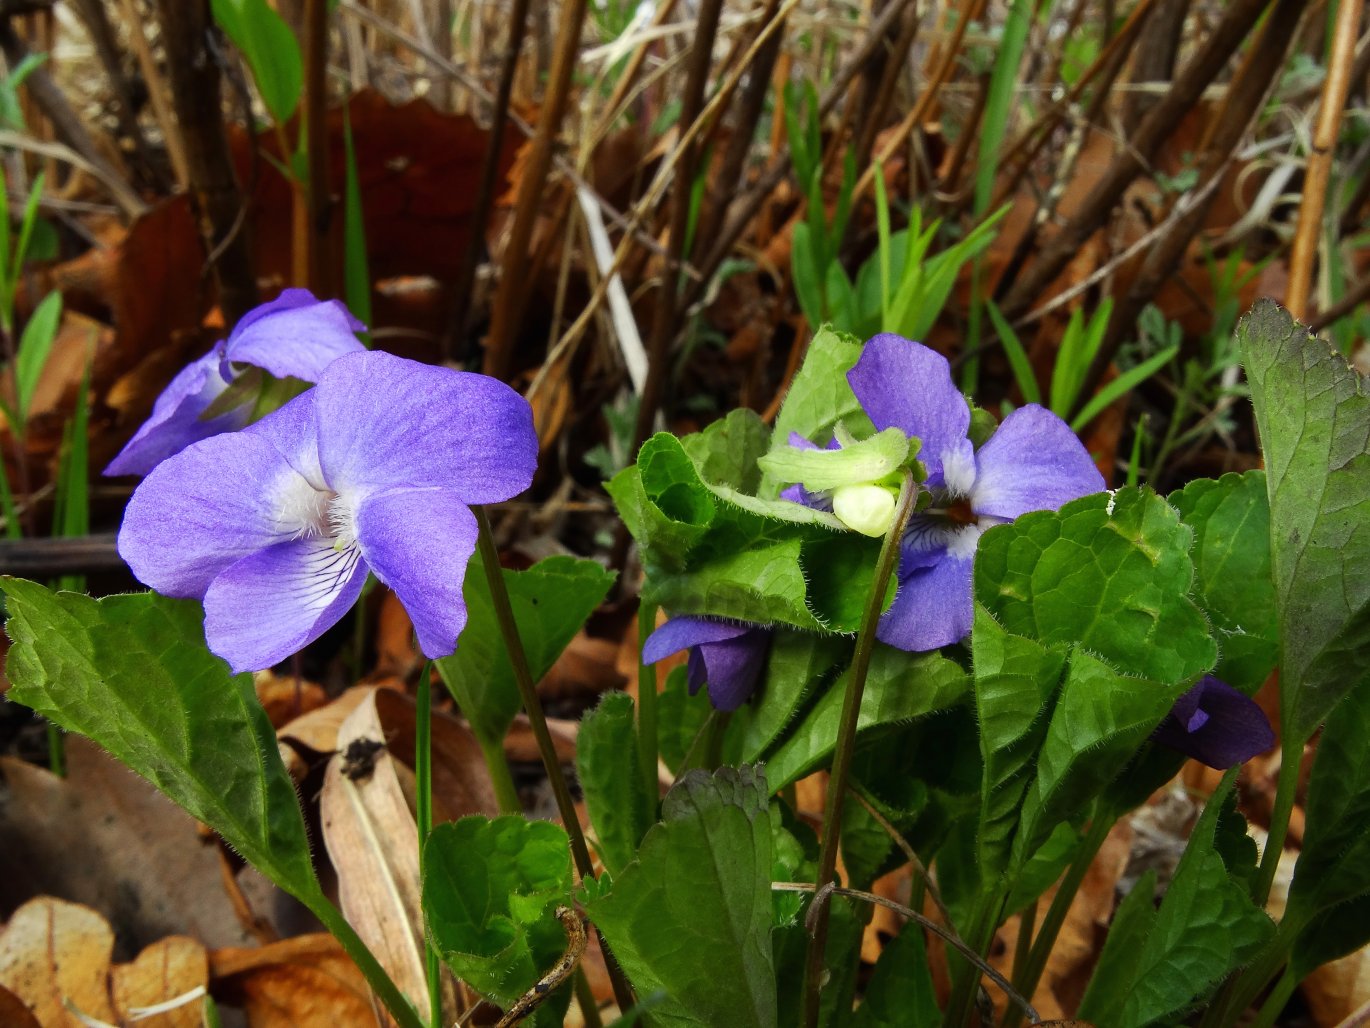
x,y
304,982
14,1012
286,698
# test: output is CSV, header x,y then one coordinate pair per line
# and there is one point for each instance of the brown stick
x,y
1304,254
194,76
1154,60
461,299
314,205
509,299
668,295
66,123
1203,67
1245,97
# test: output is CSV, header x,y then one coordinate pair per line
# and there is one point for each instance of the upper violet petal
x,y
732,667
1233,730
210,505
273,603
932,606
906,385
175,421
680,633
418,542
293,336
1032,462
293,430
385,422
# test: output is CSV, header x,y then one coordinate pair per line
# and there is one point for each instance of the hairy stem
x,y
648,746
385,989
846,739
423,814
506,793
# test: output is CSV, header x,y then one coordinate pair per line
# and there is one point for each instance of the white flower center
x,y
304,512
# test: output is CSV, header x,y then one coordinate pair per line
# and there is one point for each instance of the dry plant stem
x,y
1319,167
746,208
532,706
668,293
509,299
919,868
1155,58
194,76
874,117
461,297
1238,18
66,123
842,753
941,932
96,19
1244,102
576,940
1355,296
312,205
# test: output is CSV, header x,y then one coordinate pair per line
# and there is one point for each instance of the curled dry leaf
x,y
370,832
304,982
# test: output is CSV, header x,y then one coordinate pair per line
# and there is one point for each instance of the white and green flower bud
x,y
868,509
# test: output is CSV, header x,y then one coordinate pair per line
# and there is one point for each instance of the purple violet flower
x,y
275,527
726,655
1216,725
293,336
1032,462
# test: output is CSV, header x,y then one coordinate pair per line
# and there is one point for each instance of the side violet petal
x,y
273,603
386,422
418,542
1032,462
932,606
681,633
206,508
732,667
1233,730
906,385
293,430
294,336
175,421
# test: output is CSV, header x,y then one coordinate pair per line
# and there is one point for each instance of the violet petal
x,y
293,336
932,606
274,602
906,385
294,431
175,421
207,507
418,542
683,632
732,667
1032,462
1234,730
385,422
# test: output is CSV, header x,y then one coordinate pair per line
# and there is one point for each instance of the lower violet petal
x,y
932,606
271,604
1032,462
201,511
732,667
418,542
1217,725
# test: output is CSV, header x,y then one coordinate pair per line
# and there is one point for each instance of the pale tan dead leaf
x,y
105,837
372,840
170,968
53,953
304,982
318,728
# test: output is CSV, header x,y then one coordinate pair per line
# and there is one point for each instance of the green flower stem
x,y
423,814
504,614
1026,975
585,999
647,739
1277,999
506,793
846,739
965,976
388,992
1291,756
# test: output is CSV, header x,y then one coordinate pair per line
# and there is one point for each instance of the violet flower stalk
x,y
1032,462
293,336
275,527
1217,725
725,655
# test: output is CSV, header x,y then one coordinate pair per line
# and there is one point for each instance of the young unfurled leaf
x,y
1155,966
865,460
271,50
607,765
1314,420
819,397
696,900
1111,572
132,673
551,601
1231,522
490,891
